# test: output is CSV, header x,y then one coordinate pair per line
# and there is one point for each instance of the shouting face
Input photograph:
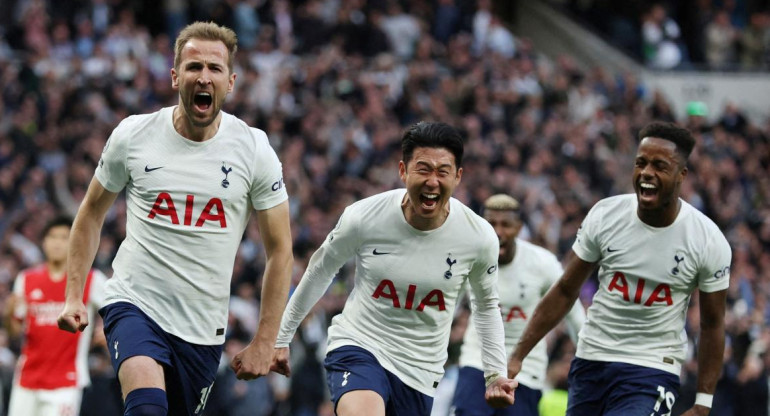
x,y
203,80
658,175
507,226
431,177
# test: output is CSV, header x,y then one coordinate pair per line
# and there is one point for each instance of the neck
x,y
660,218
56,269
421,223
509,258
188,130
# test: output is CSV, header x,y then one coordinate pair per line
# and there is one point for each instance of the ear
x,y
174,79
459,175
402,171
231,82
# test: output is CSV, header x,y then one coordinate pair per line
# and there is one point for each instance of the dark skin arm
x,y
711,345
554,306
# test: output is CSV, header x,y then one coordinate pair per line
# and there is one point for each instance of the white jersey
x,y
407,283
521,283
646,277
187,206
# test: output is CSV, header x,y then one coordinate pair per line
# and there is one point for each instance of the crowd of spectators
x,y
334,83
703,34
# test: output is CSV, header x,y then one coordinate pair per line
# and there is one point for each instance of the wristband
x,y
704,399
491,379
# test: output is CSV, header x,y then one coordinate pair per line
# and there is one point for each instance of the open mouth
x,y
648,191
203,101
429,200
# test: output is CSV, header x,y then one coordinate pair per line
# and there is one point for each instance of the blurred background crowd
x,y
334,83
706,34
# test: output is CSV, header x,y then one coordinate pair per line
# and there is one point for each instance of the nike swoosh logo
x,y
379,253
610,250
147,168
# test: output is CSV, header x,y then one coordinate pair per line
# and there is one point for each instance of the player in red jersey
x,y
52,369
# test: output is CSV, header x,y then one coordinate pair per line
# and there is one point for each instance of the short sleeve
x,y
112,171
267,188
586,245
714,272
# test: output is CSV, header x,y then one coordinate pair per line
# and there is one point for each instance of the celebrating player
x,y
526,273
192,175
653,250
414,249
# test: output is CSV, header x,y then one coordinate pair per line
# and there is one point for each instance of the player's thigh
x,y
191,376
23,401
140,372
406,401
61,402
468,399
588,387
138,347
360,402
355,377
643,392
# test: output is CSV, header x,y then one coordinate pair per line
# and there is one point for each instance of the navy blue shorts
x,y
469,397
190,369
619,389
352,368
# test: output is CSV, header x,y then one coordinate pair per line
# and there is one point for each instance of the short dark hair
x,y
680,136
61,220
425,134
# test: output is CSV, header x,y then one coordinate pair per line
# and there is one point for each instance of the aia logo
x,y
213,211
515,312
661,293
387,290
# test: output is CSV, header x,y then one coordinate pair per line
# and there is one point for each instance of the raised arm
x,y
254,361
84,241
551,309
711,347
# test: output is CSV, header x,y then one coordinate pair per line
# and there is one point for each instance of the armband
x,y
704,399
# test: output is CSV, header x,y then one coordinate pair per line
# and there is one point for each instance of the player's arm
x,y
83,244
485,304
254,361
711,346
341,244
551,309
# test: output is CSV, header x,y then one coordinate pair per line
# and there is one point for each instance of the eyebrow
x,y
428,165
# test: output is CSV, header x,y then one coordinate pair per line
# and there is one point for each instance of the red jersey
x,y
52,358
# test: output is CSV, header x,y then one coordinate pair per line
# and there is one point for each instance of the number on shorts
x,y
666,396
204,397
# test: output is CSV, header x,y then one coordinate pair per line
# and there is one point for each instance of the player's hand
x,y
253,361
697,410
74,317
281,361
514,367
499,394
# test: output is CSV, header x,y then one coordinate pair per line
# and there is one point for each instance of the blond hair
x,y
206,31
501,202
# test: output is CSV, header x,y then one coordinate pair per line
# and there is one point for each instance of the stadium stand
x,y
334,83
